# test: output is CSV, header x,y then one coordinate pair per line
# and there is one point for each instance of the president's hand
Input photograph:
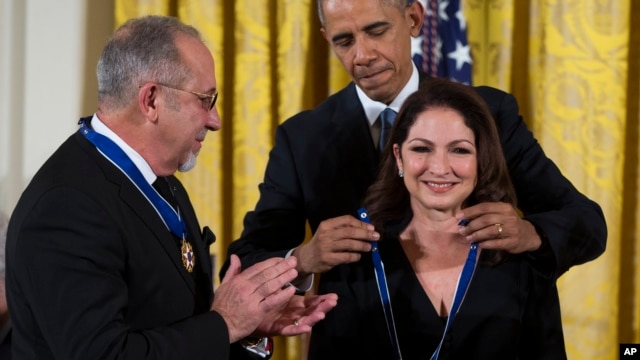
x,y
498,226
337,241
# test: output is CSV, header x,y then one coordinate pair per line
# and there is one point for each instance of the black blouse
x,y
509,312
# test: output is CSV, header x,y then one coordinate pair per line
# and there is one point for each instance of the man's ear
x,y
148,101
324,34
414,14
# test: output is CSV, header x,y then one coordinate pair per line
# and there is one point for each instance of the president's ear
x,y
414,14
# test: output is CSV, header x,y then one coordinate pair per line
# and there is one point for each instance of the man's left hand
x,y
298,316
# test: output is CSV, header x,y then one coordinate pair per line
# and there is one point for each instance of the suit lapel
x,y
351,119
139,205
132,196
340,155
201,248
352,124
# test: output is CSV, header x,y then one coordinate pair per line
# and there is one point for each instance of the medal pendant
x,y
188,257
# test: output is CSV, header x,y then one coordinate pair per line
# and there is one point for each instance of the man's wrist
x,y
304,281
544,247
542,259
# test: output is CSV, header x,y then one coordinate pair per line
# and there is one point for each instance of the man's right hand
x,y
337,241
245,298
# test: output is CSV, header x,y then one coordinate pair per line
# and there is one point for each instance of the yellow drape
x,y
573,65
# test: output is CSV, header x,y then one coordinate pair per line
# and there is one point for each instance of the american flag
x,y
442,49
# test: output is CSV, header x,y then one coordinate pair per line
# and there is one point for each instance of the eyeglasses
x,y
208,101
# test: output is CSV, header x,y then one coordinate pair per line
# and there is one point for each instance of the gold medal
x,y
188,258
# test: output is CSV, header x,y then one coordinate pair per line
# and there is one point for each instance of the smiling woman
x,y
446,137
438,159
446,155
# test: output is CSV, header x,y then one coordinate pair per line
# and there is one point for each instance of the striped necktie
x,y
386,122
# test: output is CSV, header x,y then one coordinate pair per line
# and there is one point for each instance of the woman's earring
x,y
400,173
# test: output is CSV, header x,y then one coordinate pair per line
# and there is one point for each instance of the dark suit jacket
x,y
93,273
508,312
324,159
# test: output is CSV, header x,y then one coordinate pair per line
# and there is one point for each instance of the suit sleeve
x,y
277,224
572,226
71,259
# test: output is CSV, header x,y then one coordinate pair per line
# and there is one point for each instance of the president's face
x,y
373,42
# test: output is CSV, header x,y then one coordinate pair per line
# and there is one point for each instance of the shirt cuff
x,y
301,283
543,259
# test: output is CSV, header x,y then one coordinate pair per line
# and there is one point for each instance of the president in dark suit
x,y
105,256
324,159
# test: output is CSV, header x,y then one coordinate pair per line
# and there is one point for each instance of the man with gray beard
x,y
105,256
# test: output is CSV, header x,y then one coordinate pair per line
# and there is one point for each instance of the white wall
x,y
48,53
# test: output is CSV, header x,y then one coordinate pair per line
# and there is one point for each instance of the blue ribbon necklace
x,y
383,290
169,216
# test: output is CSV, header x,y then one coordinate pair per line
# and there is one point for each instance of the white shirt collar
x,y
142,165
373,108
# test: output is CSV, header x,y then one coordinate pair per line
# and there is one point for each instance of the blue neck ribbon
x,y
383,290
169,215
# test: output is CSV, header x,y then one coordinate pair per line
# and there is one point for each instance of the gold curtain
x,y
573,65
